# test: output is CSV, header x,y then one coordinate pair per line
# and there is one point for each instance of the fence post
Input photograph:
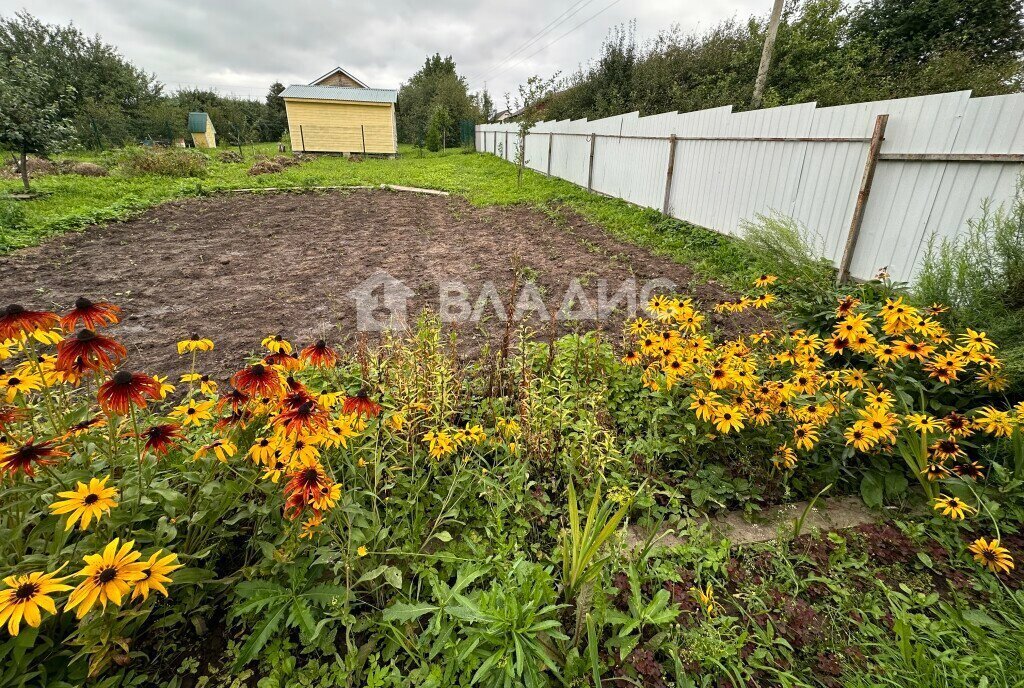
x,y
877,136
362,132
302,139
551,137
506,156
668,174
590,164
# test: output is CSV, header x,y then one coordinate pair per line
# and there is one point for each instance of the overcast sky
x,y
242,47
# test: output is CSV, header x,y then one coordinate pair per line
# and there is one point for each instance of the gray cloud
x,y
241,48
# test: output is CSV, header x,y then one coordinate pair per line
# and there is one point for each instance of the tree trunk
x,y
766,54
24,170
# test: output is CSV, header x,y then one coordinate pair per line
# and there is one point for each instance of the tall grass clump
x,y
979,274
784,247
165,162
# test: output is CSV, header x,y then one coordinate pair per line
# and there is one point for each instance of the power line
x,y
552,25
548,45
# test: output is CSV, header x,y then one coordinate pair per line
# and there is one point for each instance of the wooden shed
x,y
201,127
324,117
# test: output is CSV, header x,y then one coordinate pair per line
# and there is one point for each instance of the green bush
x,y
12,221
783,246
165,162
979,274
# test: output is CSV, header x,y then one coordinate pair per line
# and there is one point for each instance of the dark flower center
x,y
122,378
85,335
13,381
311,476
146,573
106,575
82,304
91,499
14,309
320,344
258,369
26,591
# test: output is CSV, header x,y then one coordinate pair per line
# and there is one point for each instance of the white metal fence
x,y
872,181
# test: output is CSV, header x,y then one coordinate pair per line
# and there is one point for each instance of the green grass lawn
x,y
72,202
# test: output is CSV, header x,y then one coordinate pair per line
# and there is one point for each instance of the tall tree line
x,y
108,101
826,51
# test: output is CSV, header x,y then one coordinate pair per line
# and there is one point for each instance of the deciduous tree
x,y
30,113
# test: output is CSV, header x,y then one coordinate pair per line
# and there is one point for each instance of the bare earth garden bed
x,y
239,266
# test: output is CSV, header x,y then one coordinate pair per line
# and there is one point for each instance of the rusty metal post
x,y
668,175
590,164
862,198
551,137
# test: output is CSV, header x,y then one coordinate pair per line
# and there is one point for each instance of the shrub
x,y
12,221
783,246
980,275
165,162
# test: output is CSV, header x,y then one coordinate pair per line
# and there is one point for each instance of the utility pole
x,y
766,54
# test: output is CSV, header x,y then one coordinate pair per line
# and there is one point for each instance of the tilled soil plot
x,y
236,267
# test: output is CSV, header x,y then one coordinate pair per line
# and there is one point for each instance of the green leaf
x,y
592,651
402,611
372,574
192,576
393,576
872,490
303,618
979,617
895,483
259,637
326,595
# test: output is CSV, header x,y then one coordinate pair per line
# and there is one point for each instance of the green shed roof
x,y
197,122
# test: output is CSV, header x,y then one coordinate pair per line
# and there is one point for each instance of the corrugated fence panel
x,y
723,176
831,175
739,178
690,191
903,193
990,125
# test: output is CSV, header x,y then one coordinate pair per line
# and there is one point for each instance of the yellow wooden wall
x,y
333,127
207,139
